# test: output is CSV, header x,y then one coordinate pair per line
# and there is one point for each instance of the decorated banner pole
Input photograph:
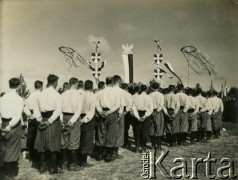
x,y
158,58
198,61
188,70
127,57
96,57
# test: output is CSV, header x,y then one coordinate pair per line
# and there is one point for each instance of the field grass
x,y
130,166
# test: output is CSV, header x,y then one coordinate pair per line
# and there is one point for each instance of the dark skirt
x,y
11,143
202,120
49,139
87,137
183,121
217,120
209,122
71,140
107,130
192,122
172,124
157,124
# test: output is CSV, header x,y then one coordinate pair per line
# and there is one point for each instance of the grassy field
x,y
130,166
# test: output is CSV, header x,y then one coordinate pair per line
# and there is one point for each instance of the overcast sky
x,y
33,30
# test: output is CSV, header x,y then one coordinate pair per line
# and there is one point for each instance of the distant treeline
x,y
231,106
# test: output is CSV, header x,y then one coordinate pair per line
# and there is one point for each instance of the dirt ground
x,y
131,165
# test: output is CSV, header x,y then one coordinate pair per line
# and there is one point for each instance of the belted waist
x,y
141,113
170,109
6,119
105,109
68,114
181,107
47,114
82,115
191,110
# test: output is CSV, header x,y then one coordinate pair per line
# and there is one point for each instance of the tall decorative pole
x,y
188,69
158,58
127,57
96,57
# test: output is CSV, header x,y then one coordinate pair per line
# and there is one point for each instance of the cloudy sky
x,y
33,30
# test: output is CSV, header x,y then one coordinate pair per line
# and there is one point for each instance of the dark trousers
x,y
32,131
87,137
142,132
128,122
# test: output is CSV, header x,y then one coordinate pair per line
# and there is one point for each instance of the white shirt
x,y
108,98
122,96
217,104
193,104
32,104
11,106
183,101
143,102
172,102
202,103
209,106
133,102
49,100
71,101
81,92
158,100
128,97
89,105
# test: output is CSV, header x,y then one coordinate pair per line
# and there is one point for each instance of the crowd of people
x,y
65,127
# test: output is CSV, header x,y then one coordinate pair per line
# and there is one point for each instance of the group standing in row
x,y
64,129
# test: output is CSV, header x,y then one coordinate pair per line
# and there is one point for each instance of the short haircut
x,y
88,85
155,85
116,79
80,85
143,88
204,94
199,90
124,86
51,79
109,81
171,88
65,85
180,87
14,83
73,81
215,92
189,91
101,84
136,89
38,84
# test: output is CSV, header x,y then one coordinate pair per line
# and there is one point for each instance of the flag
x,y
225,90
158,58
222,91
127,57
170,68
96,57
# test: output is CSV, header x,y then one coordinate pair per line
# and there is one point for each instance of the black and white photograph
x,y
118,89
